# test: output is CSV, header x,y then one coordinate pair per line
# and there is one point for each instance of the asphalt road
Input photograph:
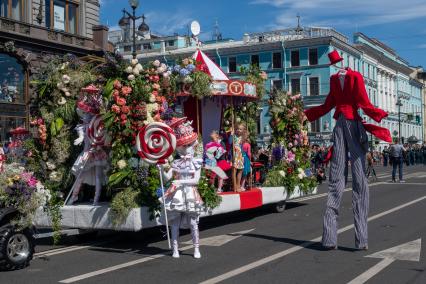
x,y
254,246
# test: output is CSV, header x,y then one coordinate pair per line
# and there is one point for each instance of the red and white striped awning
x,y
211,68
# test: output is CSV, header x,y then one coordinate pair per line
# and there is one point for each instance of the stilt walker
x,y
347,95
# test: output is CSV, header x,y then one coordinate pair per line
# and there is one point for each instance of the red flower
x,y
290,170
126,90
117,84
155,78
115,93
115,108
155,93
120,101
125,109
123,116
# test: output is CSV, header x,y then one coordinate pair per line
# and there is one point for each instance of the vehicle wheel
x,y
280,206
16,248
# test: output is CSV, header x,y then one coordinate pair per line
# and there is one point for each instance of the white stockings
x,y
175,226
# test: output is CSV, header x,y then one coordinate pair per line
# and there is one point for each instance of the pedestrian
x,y
397,155
347,94
370,168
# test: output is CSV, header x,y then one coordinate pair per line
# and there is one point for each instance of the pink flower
x,y
125,109
126,90
117,84
115,108
115,93
290,156
290,145
32,182
120,101
155,86
123,117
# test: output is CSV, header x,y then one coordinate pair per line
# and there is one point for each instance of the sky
x,y
401,24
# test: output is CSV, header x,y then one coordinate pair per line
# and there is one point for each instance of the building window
x,y
12,95
316,126
138,47
171,43
255,60
127,48
14,9
277,60
295,85
232,65
62,15
313,56
147,46
295,58
277,85
314,86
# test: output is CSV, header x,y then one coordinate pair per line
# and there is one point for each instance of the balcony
x,y
296,33
42,33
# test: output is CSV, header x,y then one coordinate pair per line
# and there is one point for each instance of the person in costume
x,y
237,156
347,95
246,151
182,200
92,163
214,160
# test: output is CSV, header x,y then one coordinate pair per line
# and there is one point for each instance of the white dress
x,y
183,200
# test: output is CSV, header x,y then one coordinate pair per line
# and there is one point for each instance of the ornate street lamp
x,y
132,16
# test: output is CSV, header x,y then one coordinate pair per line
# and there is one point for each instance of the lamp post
x,y
125,22
399,104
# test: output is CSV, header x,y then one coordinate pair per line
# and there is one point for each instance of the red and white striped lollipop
x,y
155,142
96,132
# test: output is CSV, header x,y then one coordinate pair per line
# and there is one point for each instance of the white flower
x,y
60,85
54,176
300,176
152,99
139,67
244,108
67,94
282,173
64,89
156,63
66,79
166,74
62,101
164,66
160,70
121,164
238,120
136,71
50,165
129,70
131,77
135,62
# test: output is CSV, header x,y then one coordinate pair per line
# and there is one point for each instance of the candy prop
x,y
155,142
96,131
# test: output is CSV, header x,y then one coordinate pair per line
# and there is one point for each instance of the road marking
x,y
69,249
211,241
409,251
294,249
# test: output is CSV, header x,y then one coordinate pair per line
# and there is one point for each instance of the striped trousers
x,y
349,136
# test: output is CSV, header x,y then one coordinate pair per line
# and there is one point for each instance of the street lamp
x,y
399,104
125,22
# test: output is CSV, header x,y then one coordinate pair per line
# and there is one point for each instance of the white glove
x,y
80,139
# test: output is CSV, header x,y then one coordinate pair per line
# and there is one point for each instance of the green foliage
x,y
121,205
208,192
289,136
256,76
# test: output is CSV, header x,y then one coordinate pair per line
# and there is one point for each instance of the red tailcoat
x,y
348,101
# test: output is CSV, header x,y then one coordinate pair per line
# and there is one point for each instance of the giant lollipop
x,y
155,142
96,131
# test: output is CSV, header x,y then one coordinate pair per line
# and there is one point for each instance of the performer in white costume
x,y
182,200
92,164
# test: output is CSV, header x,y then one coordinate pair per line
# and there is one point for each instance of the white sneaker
x,y
175,253
197,253
402,181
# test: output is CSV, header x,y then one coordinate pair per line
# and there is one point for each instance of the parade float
x,y
102,135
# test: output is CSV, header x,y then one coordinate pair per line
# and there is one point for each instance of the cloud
x,y
422,46
344,13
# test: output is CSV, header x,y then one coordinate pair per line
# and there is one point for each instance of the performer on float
x,y
182,200
91,165
214,160
347,95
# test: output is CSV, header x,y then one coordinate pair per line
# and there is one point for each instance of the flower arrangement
x,y
191,77
291,151
23,191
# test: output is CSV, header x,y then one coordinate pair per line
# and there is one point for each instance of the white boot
x,y
197,253
175,250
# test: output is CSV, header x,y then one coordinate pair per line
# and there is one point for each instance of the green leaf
x,y
59,124
109,88
53,129
116,178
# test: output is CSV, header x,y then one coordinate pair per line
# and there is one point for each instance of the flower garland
x,y
291,151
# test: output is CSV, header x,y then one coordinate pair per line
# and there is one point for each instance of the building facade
x,y
31,32
296,60
398,92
